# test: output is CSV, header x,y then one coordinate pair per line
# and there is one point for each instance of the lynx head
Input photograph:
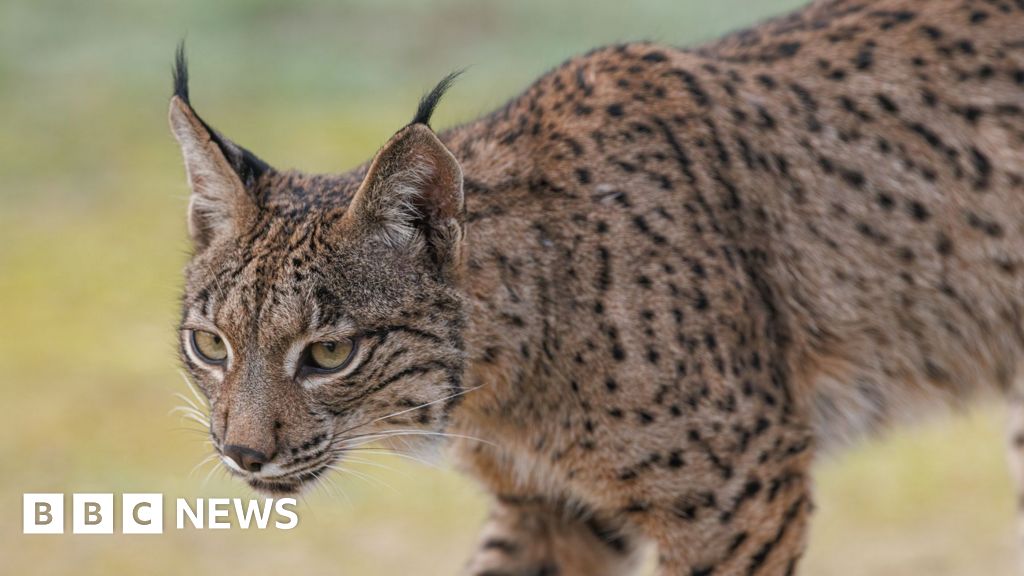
x,y
320,312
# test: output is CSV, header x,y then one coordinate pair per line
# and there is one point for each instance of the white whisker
x,y
336,488
202,462
371,437
188,410
407,410
365,462
390,452
365,477
206,479
197,419
330,488
188,382
188,401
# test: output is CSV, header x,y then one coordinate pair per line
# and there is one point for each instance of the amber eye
x,y
210,347
331,355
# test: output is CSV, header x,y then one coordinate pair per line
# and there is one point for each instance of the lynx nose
x,y
247,459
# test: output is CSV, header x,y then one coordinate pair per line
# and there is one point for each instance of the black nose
x,y
246,458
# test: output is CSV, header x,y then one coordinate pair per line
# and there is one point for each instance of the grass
x,y
92,240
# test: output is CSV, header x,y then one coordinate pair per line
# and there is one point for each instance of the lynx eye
x,y
331,355
210,347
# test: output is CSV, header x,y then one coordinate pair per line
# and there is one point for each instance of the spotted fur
x,y
646,291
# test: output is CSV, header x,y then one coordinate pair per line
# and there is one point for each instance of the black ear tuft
x,y
430,100
180,73
246,165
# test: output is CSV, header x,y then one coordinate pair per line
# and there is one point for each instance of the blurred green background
x,y
92,241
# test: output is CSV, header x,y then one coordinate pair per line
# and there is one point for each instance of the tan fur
x,y
644,292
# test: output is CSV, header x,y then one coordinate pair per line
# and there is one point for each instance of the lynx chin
x,y
637,300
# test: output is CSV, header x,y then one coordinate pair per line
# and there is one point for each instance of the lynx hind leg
x,y
1015,410
530,538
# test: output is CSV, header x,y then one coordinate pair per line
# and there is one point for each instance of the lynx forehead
x,y
642,295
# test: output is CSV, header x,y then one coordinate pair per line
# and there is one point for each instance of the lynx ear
x,y
220,173
411,197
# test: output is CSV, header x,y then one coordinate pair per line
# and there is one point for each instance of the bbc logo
x,y
144,513
93,513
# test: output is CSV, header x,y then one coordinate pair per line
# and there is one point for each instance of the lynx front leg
x,y
726,508
528,537
760,528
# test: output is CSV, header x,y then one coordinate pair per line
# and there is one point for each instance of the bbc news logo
x,y
144,513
